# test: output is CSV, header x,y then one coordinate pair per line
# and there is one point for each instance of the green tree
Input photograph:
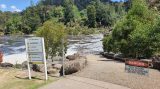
x,y
53,34
57,11
155,37
91,14
131,34
31,20
105,14
2,22
5,16
14,24
44,12
68,11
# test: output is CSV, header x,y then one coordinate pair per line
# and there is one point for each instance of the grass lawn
x,y
18,79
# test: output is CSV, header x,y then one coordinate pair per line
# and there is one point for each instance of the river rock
x,y
70,57
37,68
25,65
40,68
57,66
52,71
108,55
6,65
73,57
73,66
156,62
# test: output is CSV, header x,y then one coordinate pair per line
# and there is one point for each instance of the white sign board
x,y
35,44
36,52
34,47
36,57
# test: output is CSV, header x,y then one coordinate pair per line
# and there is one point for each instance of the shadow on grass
x,y
26,78
54,76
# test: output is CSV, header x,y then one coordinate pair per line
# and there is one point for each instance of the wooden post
x,y
29,70
63,58
45,63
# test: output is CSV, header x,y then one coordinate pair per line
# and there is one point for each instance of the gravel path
x,y
108,70
73,82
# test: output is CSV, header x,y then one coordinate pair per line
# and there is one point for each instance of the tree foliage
x,y
131,34
14,24
31,20
53,34
91,14
101,13
68,11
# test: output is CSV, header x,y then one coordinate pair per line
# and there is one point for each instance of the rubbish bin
x,y
1,57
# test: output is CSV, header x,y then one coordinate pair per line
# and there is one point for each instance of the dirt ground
x,y
108,70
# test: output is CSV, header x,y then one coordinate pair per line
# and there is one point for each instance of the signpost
x,y
36,53
63,57
137,67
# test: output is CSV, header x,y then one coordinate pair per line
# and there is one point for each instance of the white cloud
x,y
3,6
15,9
18,10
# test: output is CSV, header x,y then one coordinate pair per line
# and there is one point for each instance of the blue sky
x,y
17,5
14,5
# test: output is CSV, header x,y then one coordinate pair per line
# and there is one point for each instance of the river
x,y
13,47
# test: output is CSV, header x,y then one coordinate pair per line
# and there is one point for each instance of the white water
x,y
16,53
15,58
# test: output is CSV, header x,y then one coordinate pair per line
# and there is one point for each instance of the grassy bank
x,y
17,79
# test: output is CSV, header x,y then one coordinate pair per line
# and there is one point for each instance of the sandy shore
x,y
108,70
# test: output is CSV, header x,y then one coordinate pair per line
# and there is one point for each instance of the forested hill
x,y
81,4
74,14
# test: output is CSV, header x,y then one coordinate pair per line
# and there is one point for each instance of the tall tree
x,y
68,11
105,14
14,24
6,16
91,14
30,19
127,4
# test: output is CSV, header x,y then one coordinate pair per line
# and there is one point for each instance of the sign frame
x,y
137,67
29,59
